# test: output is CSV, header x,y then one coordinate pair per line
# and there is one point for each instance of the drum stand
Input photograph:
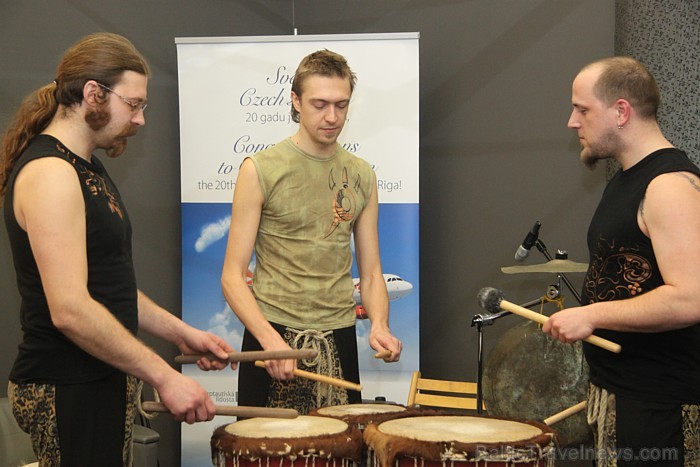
x,y
487,319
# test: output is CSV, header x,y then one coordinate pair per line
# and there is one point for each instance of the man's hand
x,y
197,341
381,339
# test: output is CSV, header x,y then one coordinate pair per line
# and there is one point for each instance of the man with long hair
x,y
73,384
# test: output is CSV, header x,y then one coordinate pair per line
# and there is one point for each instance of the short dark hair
x,y
627,78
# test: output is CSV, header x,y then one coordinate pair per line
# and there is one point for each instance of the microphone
x,y
523,250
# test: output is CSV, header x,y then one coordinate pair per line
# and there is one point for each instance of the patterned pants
x,y
337,357
640,433
78,424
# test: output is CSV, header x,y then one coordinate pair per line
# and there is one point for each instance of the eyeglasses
x,y
135,105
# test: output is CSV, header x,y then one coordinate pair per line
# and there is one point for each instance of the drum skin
x,y
449,440
302,441
361,415
529,375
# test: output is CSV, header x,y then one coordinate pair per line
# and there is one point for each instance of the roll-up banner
x,y
234,95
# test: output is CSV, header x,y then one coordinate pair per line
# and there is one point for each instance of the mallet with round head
x,y
493,300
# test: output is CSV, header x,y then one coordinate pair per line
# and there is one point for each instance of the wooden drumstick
x,y
341,383
559,416
383,354
492,300
231,410
251,356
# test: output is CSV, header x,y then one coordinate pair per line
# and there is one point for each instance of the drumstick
x,y
492,300
383,354
250,356
232,410
341,383
559,416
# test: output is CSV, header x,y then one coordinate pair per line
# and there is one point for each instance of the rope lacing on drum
x,y
324,362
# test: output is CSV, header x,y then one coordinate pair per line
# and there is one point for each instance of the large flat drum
x,y
529,375
276,442
456,440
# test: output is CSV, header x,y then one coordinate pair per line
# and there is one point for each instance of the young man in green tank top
x,y
298,205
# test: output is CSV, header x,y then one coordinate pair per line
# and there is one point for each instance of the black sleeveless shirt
x,y
45,354
662,366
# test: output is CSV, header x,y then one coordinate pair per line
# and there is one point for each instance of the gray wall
x,y
495,152
666,37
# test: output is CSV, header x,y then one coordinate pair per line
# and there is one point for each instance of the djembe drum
x,y
275,442
361,415
449,440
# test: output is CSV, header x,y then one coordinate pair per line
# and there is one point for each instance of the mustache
x,y
129,131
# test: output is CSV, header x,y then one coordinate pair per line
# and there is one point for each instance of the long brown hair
x,y
102,57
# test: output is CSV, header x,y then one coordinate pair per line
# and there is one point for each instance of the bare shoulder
x,y
44,186
687,179
46,170
683,184
671,199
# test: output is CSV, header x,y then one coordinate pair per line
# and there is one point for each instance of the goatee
x,y
119,145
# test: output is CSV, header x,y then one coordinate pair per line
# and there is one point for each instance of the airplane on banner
x,y
396,287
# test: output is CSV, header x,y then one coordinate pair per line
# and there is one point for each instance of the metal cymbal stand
x,y
561,254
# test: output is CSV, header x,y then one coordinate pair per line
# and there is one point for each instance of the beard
x,y
606,147
119,144
98,119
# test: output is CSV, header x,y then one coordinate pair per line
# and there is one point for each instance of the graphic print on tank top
x,y
617,272
344,203
95,183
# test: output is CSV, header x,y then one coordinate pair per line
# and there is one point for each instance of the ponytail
x,y
33,115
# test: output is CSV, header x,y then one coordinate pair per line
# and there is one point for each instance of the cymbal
x,y
553,266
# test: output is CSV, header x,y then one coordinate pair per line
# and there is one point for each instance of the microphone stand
x,y
479,321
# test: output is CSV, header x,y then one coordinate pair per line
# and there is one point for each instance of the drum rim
x,y
323,411
346,444
387,447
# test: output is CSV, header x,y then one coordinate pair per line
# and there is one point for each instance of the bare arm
x,y
375,299
245,220
48,204
670,216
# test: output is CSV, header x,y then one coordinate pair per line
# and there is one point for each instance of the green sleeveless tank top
x,y
303,255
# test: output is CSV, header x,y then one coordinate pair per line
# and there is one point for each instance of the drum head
x,y
456,438
301,427
301,437
461,429
529,375
359,409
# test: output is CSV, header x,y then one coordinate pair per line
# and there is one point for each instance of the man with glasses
x,y
73,385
